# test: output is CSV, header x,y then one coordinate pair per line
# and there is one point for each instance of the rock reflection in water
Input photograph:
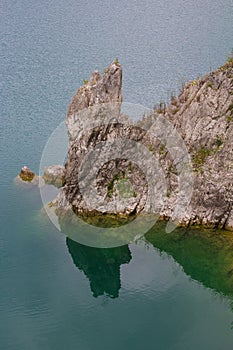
x,y
205,255
101,266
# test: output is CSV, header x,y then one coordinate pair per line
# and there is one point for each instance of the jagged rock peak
x,y
99,89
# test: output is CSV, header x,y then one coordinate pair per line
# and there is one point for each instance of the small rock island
x,y
202,114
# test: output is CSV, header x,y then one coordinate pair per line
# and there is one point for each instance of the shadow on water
x,y
205,255
100,265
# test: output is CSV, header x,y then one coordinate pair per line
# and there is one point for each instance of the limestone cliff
x,y
202,114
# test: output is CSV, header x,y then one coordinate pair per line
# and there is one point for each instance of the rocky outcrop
x,y
202,115
26,174
55,175
98,90
27,178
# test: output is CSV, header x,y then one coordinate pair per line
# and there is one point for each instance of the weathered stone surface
x,y
229,221
54,175
98,98
26,174
98,90
204,118
202,114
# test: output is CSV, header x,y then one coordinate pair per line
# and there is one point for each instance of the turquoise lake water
x,y
163,292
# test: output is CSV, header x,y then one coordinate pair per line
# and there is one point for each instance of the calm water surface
x,y
165,292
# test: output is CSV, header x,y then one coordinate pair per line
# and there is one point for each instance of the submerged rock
x,y
26,174
28,179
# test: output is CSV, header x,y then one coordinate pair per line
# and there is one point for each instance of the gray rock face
x,y
202,114
98,90
55,175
